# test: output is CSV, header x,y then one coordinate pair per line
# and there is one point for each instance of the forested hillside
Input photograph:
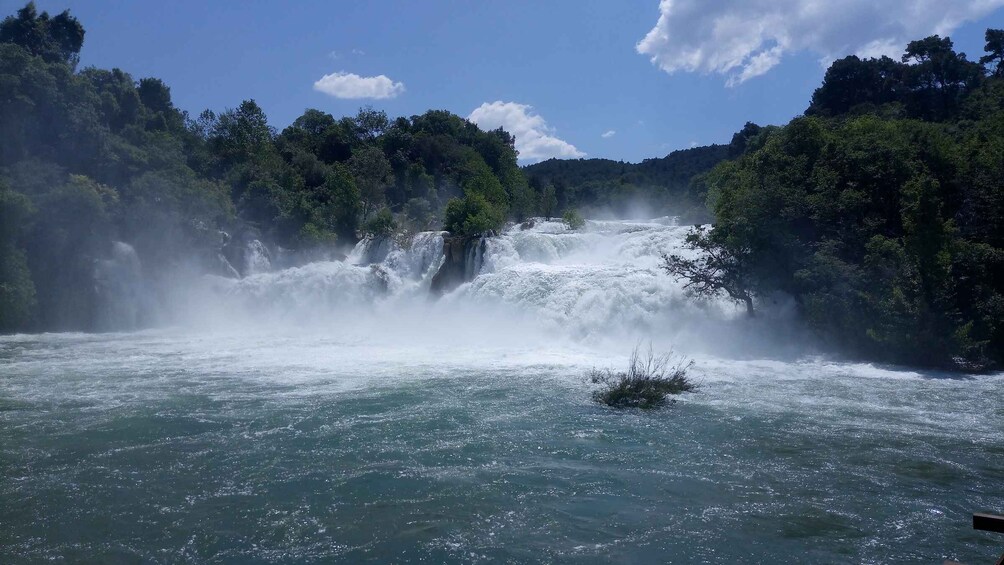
x,y
91,157
881,211
672,184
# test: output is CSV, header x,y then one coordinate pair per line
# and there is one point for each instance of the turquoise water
x,y
181,447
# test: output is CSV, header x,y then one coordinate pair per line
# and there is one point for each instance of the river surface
x,y
334,413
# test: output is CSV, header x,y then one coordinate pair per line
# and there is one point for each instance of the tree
x,y
995,52
55,39
718,268
155,95
381,224
548,201
371,171
17,291
243,136
852,82
370,123
471,215
340,203
572,219
938,76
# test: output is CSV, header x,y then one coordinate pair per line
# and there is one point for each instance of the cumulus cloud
x,y
742,39
535,140
608,134
350,85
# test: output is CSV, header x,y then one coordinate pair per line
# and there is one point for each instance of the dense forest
x,y
675,183
880,211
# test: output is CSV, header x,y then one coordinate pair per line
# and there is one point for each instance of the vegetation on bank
x,y
881,211
648,382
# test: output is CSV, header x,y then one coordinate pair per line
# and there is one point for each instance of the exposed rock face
x,y
461,262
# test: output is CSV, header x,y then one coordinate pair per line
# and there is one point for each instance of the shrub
x,y
472,215
381,224
572,219
647,383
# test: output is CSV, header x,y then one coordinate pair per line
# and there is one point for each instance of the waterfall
x,y
257,259
121,293
604,279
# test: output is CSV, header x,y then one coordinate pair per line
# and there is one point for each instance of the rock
x,y
461,262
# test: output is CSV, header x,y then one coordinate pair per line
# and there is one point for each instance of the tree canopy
x,y
879,212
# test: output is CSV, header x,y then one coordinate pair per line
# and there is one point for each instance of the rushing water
x,y
333,412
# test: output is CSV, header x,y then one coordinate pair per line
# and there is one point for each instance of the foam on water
x,y
335,412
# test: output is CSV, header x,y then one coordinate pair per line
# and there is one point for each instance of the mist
x,y
601,286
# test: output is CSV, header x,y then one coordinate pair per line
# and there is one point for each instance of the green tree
x,y
995,52
53,38
340,203
17,291
720,267
381,224
371,172
572,219
938,77
471,215
548,201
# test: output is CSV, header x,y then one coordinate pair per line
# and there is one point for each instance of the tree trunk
x,y
749,306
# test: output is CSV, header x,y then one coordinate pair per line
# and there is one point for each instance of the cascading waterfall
x,y
605,279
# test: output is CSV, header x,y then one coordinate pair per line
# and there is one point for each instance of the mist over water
x,y
337,411
602,286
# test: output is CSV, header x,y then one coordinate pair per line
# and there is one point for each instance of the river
x,y
336,412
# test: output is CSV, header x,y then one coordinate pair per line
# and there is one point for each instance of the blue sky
x,y
567,71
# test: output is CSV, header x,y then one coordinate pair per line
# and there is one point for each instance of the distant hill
x,y
668,184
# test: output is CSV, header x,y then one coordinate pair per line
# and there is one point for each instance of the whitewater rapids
x,y
337,412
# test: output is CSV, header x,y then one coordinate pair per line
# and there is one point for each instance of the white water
x,y
337,412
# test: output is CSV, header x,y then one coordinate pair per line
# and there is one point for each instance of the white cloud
x,y
608,134
743,39
349,85
535,140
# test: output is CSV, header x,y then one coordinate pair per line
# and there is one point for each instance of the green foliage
x,y
722,266
573,220
371,172
17,291
471,215
381,224
548,201
930,83
885,230
601,184
995,52
419,212
336,204
56,39
484,206
647,383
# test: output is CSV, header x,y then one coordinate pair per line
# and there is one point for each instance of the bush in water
x,y
573,219
647,382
